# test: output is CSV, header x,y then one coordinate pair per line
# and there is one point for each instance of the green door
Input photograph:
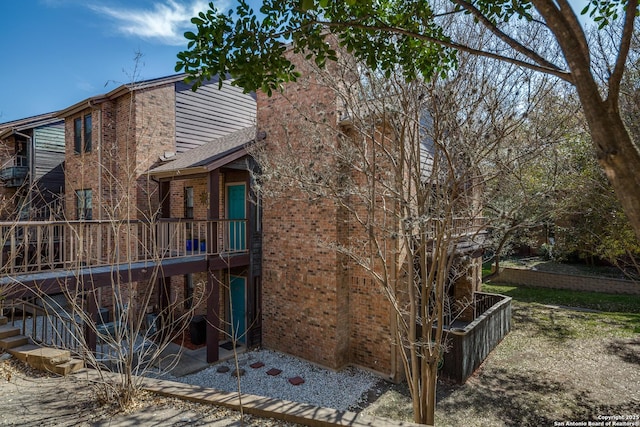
x,y
238,302
236,209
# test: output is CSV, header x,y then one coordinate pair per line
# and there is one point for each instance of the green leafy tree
x,y
410,35
590,224
522,199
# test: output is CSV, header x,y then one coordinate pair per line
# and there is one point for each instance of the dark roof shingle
x,y
206,154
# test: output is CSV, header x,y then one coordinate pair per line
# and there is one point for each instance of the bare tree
x,y
403,174
100,246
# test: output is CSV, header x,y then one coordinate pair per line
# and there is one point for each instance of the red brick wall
x,y
316,304
303,293
200,195
81,169
305,297
155,132
130,133
372,318
371,315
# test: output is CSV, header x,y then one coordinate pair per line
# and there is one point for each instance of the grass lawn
x,y
557,364
623,309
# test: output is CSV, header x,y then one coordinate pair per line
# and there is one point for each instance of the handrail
x,y
31,246
15,161
457,226
42,326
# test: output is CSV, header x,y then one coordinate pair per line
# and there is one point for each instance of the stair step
x,y
46,358
21,352
7,331
68,367
3,320
13,341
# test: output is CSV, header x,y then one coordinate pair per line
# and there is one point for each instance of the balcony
x,y
468,233
37,246
14,172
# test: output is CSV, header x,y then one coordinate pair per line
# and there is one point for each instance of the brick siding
x,y
316,304
129,135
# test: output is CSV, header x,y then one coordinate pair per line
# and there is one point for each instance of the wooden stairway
x,y
41,358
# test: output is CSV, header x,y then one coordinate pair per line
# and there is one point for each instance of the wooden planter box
x,y
469,346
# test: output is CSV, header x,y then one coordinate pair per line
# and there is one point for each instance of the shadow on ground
x,y
516,397
627,350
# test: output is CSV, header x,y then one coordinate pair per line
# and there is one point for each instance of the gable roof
x,y
8,128
119,91
209,156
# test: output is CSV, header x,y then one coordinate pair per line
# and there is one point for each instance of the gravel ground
x,y
338,390
34,398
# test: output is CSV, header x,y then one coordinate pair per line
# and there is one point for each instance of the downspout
x,y
100,194
100,165
94,107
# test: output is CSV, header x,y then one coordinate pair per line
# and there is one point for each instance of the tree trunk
x,y
616,152
618,157
431,377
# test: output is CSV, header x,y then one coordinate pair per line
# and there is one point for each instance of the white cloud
x,y
166,22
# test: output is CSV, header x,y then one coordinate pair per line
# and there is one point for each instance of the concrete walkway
x,y
191,361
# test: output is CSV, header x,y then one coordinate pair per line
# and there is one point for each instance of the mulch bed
x,y
184,340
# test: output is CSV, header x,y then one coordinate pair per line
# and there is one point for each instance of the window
x,y
188,202
77,135
83,204
87,133
82,134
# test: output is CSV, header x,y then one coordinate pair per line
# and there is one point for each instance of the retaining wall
x,y
545,279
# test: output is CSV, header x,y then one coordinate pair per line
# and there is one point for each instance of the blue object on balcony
x,y
192,244
203,246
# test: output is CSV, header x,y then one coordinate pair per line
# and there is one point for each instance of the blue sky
x,y
58,52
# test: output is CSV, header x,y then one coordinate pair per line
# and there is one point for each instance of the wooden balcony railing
x,y
45,326
459,226
33,246
14,171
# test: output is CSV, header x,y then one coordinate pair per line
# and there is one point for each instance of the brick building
x,y
112,142
158,153
317,302
113,139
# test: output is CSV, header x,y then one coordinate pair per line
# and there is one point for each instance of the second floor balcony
x,y
37,246
14,172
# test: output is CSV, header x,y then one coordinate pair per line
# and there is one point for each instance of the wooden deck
x,y
31,247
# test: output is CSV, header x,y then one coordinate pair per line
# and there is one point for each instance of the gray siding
x,y
49,157
210,113
50,137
